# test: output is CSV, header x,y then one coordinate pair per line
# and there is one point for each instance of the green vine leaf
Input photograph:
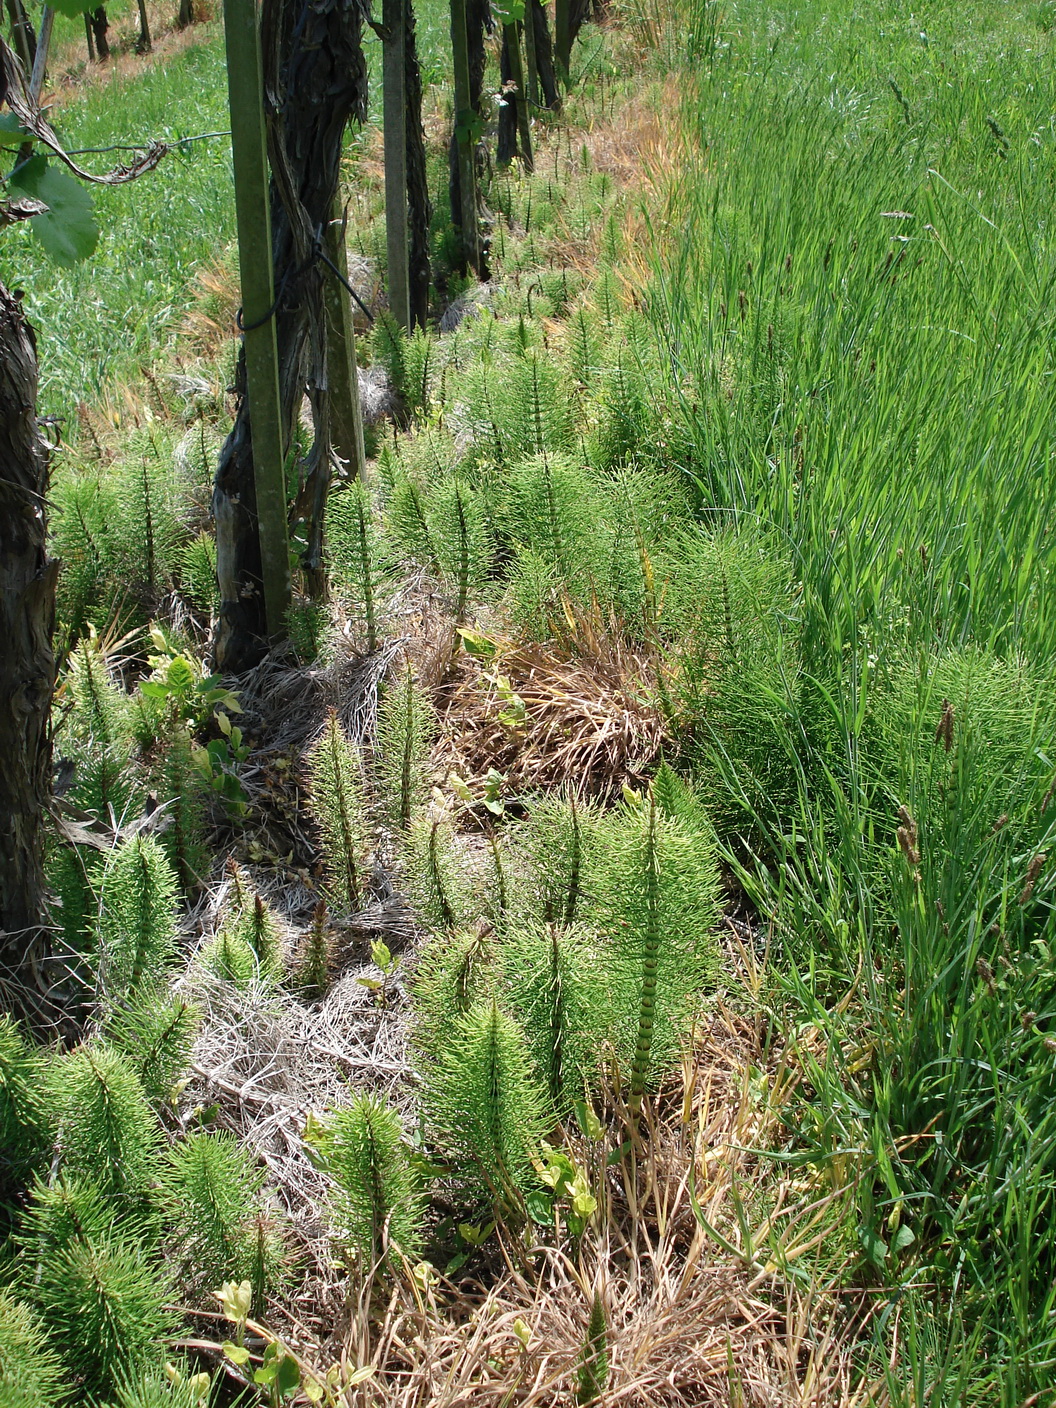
x,y
70,8
67,230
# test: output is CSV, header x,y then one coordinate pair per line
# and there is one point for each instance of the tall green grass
x,y
857,314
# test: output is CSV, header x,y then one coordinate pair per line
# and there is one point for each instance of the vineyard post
x,y
394,82
253,212
465,134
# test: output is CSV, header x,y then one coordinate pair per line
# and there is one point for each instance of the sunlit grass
x,y
858,317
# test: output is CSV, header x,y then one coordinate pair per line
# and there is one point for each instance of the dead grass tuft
x,y
587,718
698,1317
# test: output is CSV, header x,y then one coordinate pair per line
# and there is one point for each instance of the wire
x,y
173,145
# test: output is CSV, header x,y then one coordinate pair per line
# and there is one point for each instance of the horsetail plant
x,y
553,983
156,1033
406,727
210,1195
335,773
485,1108
656,890
433,880
104,1301
354,553
30,1370
592,1377
105,1126
137,918
314,958
376,1205
455,971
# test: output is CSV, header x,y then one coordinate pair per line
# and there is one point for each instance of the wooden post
x,y
24,35
465,118
253,212
394,78
524,130
144,43
562,38
346,412
532,92
88,36
40,59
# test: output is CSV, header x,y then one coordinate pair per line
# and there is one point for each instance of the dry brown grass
x,y
696,1317
592,720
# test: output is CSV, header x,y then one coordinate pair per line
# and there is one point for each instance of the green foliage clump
x,y
592,1376
406,727
30,1370
67,1209
314,959
433,879
407,522
535,405
485,1108
155,1387
103,1301
74,874
181,785
655,889
229,957
106,1128
457,523
554,845
554,983
376,1204
23,1109
249,944
137,918
99,728
148,533
156,1034
210,1194
335,771
81,509
355,556
454,972
740,700
197,573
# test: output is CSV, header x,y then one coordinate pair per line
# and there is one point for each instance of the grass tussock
x,y
546,717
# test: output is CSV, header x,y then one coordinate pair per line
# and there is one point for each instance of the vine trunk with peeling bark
x,y
315,80
27,662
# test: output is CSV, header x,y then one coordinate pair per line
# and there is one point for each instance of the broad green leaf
x,y
508,11
12,133
873,1245
469,127
71,8
903,1238
540,1207
288,1375
474,643
381,954
68,230
588,1121
180,674
237,1353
